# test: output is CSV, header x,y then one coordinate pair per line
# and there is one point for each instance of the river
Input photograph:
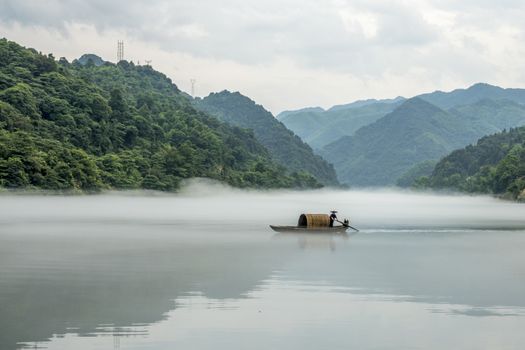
x,y
202,270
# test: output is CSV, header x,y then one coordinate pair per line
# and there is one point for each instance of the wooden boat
x,y
302,229
312,223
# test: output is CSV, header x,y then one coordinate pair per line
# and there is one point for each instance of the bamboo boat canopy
x,y
314,220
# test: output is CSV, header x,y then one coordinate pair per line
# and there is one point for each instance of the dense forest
x,y
83,127
496,164
285,148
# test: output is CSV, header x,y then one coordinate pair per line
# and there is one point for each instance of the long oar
x,y
346,225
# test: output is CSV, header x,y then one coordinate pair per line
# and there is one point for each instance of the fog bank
x,y
202,202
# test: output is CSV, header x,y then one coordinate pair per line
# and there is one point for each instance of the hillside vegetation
x,y
285,148
85,127
495,164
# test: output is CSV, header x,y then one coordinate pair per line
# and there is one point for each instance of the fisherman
x,y
333,217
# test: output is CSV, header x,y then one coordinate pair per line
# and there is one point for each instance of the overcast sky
x,y
288,54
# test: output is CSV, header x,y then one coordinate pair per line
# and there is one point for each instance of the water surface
x,y
202,270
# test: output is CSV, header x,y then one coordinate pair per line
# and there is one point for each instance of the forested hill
x,y
379,153
318,128
285,147
415,132
86,127
496,164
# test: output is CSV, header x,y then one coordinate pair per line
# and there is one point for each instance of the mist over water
x,y
203,202
201,269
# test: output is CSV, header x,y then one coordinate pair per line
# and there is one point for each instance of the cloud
x,y
311,32
351,48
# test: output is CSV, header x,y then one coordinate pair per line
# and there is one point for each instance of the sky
x,y
289,54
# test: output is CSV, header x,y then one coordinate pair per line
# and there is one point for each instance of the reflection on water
x,y
315,240
203,271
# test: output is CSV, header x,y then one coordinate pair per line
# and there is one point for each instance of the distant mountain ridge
x,y
319,128
302,110
346,135
362,103
380,153
284,147
472,95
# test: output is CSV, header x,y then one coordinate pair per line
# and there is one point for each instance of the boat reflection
x,y
316,240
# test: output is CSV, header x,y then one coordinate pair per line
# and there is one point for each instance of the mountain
x,y
85,58
284,147
382,152
302,110
488,116
495,164
472,95
86,128
370,101
319,128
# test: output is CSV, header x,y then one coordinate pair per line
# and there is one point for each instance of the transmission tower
x,y
120,51
193,81
148,62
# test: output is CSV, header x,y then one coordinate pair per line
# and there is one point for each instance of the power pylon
x,y
120,51
193,81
